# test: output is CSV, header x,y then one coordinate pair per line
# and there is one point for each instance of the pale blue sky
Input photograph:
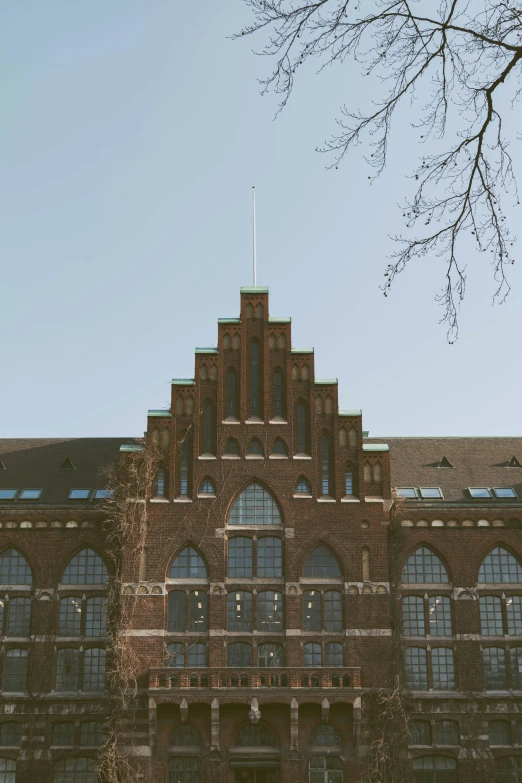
x,y
131,135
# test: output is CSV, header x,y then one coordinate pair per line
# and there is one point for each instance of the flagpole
x,y
254,261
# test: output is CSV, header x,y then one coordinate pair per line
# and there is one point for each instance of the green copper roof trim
x,y
132,448
302,350
273,320
375,447
326,381
350,413
206,350
159,413
183,381
229,320
255,290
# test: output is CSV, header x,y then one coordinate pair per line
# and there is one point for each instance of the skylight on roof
x,y
431,493
102,494
407,492
30,494
479,492
79,494
8,494
504,492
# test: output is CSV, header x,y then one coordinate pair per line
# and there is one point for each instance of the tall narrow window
x,y
231,394
198,611
348,481
495,672
312,610
94,669
160,483
269,557
416,666
67,665
443,669
278,394
255,407
366,564
15,670
269,611
302,429
333,611
176,611
184,468
239,611
325,465
240,557
208,428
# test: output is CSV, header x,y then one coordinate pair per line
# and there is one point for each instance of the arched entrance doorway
x,y
255,756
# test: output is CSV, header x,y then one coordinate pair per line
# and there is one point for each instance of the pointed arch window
x,y
367,472
85,568
352,438
232,394
188,565
279,448
226,342
207,487
303,487
255,375
500,567
348,480
254,506
10,734
232,448
325,465
424,567
14,568
302,429
160,483
321,563
208,428
343,437
278,395
184,468
255,448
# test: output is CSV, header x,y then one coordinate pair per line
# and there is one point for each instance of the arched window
x,y
435,769
424,567
447,732
377,473
14,569
281,342
495,670
352,438
94,669
443,669
269,557
270,611
63,735
366,564
255,448
85,568
226,342
75,770
259,310
185,736
420,732
188,565
213,372
197,655
239,557
325,736
295,372
239,654
203,372
176,611
500,732
367,473
255,377
272,341
334,654
321,563
198,611
319,405
208,428
416,666
328,405
343,437
278,395
232,447
348,480
303,487
491,622
500,567
270,656
305,372
239,611
67,667
160,483
165,438
236,342
302,429
207,487
184,468
325,769
91,733
312,654
11,734
279,448
325,465
312,610
155,436
255,736
179,406
175,656
232,394
18,612
254,506
189,406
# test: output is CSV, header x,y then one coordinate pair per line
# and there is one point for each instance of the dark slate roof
x,y
477,462
34,463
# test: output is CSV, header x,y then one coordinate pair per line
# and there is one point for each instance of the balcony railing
x,y
215,679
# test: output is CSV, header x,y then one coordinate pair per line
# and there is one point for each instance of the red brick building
x,y
262,598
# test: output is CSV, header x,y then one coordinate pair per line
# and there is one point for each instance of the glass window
x,y
255,736
63,735
85,568
416,668
254,506
443,669
183,770
302,429
8,494
504,492
278,393
11,734
185,736
413,616
303,487
270,655
240,557
103,494
499,732
239,614
334,654
67,664
184,467
491,616
96,616
434,769
19,617
500,567
270,611
79,494
207,487
515,655
325,465
175,656
279,447
325,769
269,557
30,494
160,483
447,732
7,770
420,732
312,654
91,733
508,769
430,492
197,655
407,492
208,428
321,563
239,654
312,610
188,565
75,770
14,569
514,614
15,671
232,447
333,611
424,567
254,380
348,481
176,611
325,735
518,732
198,613
439,615
495,677
70,623
94,669
479,492
231,394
